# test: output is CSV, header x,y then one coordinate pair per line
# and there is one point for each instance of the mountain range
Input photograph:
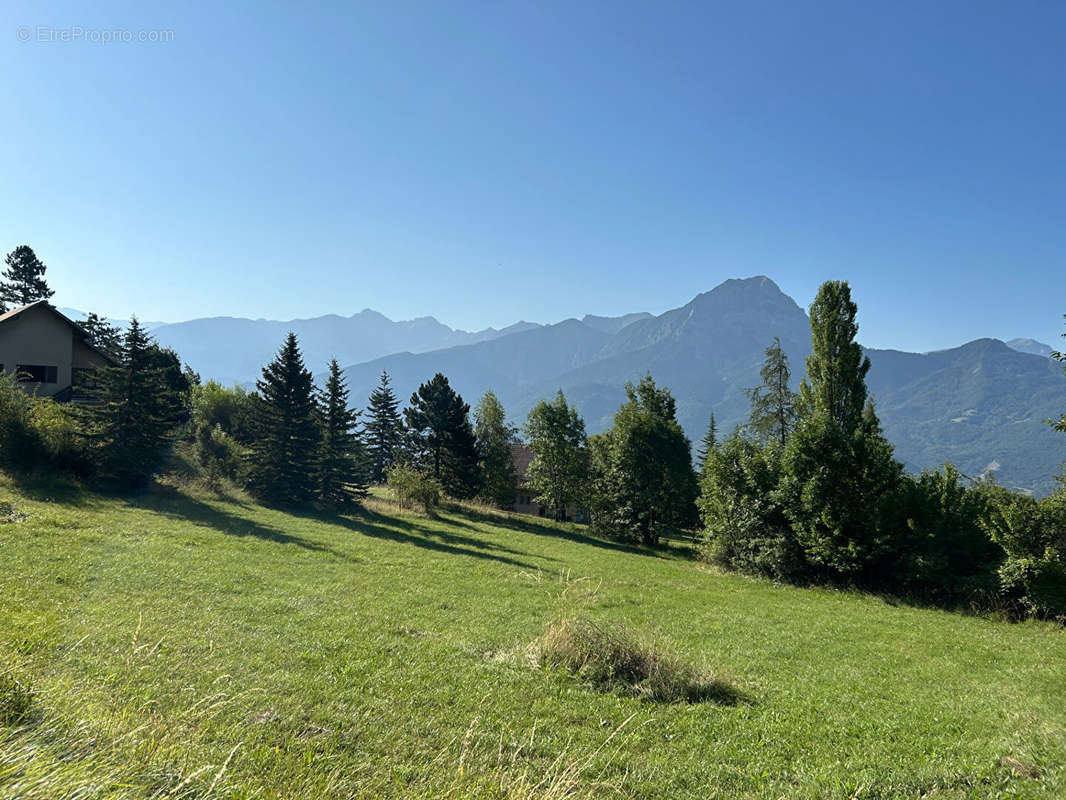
x,y
981,406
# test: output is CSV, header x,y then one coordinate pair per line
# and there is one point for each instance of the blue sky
x,y
486,162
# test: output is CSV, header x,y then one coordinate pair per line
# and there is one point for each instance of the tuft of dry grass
x,y
612,658
15,699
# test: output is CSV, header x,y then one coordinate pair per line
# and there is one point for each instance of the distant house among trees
x,y
46,351
525,501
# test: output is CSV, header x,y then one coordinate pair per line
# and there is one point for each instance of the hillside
x,y
181,645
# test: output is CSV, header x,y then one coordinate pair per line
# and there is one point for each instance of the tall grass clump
x,y
15,700
612,659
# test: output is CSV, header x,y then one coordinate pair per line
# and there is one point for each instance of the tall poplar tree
x,y
383,429
840,474
773,405
342,463
445,446
23,279
283,463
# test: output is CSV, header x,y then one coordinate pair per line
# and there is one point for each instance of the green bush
x,y
745,527
60,436
1032,535
20,445
412,489
220,455
942,549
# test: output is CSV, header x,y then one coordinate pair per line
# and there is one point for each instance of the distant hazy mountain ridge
x,y
981,405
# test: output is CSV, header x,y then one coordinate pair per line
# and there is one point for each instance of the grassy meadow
x,y
180,645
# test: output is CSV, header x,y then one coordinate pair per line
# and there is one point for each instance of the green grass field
x,y
178,645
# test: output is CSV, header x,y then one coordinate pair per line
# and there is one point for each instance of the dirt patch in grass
x,y
613,659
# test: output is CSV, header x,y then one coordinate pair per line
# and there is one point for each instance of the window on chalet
x,y
37,373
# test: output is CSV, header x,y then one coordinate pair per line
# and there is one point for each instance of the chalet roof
x,y
78,330
522,454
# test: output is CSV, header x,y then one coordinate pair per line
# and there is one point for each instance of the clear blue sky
x,y
485,162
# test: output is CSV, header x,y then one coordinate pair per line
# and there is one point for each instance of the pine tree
x,y
135,408
494,439
442,437
383,429
707,443
773,405
342,463
23,280
104,336
282,467
840,476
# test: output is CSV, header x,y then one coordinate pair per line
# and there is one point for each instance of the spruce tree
x,y
104,336
773,405
283,463
707,443
494,439
383,429
342,459
442,437
840,475
134,410
23,279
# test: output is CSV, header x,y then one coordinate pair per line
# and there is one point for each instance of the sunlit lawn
x,y
180,645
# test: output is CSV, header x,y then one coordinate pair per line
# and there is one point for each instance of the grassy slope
x,y
381,656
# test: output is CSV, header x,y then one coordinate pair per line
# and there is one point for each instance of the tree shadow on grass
x,y
379,526
534,525
52,488
178,505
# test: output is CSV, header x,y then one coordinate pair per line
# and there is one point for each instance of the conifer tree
x,y
383,429
840,475
707,443
135,409
283,463
104,336
23,279
442,437
494,439
773,405
342,462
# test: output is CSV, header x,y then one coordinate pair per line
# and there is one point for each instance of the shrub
x,y
610,658
942,550
1033,537
60,437
220,455
412,489
745,527
20,446
15,700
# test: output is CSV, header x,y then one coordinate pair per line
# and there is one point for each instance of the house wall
x,y
37,336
